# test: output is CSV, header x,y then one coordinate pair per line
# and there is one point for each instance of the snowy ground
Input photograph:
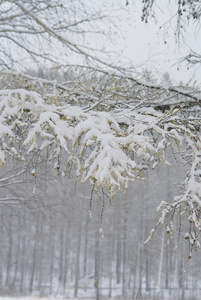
x,y
35,298
43,298
46,298
52,298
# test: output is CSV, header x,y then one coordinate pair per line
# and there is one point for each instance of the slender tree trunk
x,y
181,275
17,259
86,246
111,259
167,267
33,268
97,266
146,249
124,252
135,275
23,251
61,257
51,254
1,254
160,263
66,258
9,256
118,249
77,268
141,259
40,253
63,262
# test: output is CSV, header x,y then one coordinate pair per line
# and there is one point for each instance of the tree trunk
x,y
9,256
23,251
124,252
77,268
97,266
118,249
160,263
33,269
111,245
86,246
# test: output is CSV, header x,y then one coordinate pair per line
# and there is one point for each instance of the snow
x,y
165,294
37,298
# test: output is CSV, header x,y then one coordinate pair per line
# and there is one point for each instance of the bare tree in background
x,y
185,13
56,32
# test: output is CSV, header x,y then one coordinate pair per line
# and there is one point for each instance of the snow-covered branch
x,y
187,204
109,137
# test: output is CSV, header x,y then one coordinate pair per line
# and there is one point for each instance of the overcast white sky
x,y
145,43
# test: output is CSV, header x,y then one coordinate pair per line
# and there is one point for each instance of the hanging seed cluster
x,y
188,8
